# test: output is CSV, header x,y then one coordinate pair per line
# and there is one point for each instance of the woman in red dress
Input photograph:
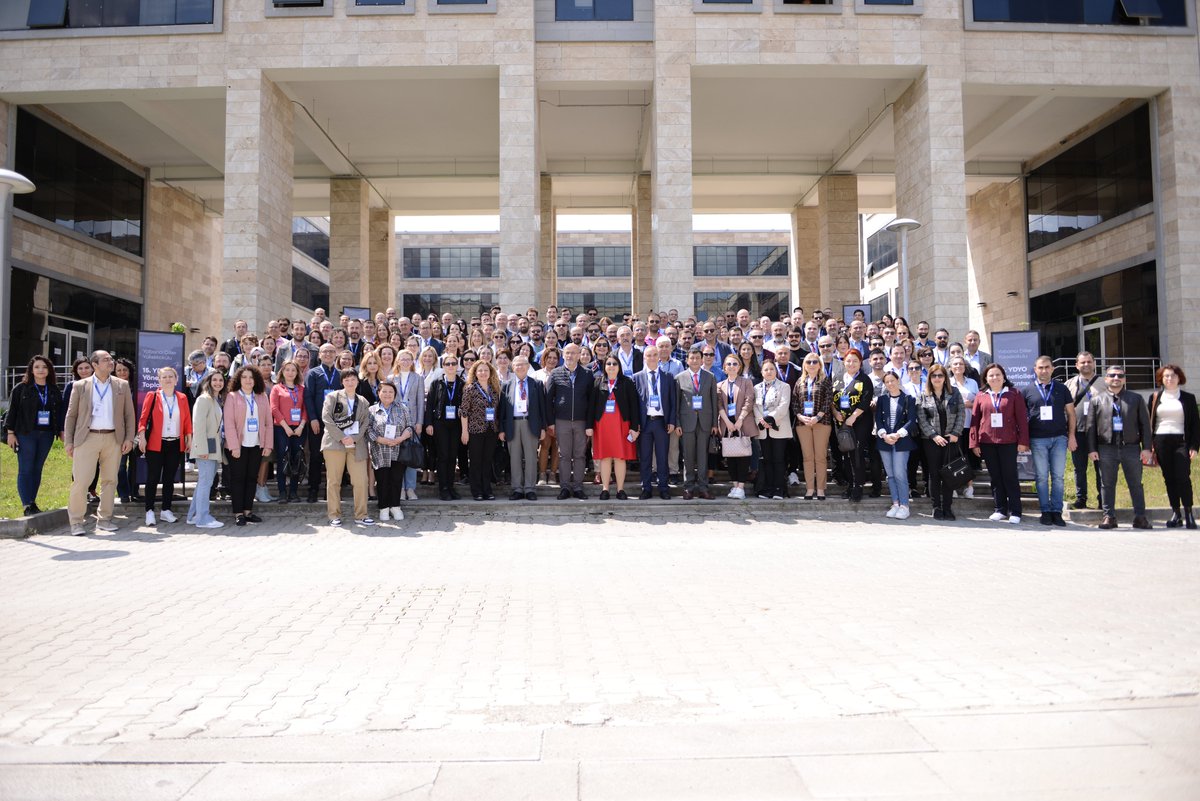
x,y
616,417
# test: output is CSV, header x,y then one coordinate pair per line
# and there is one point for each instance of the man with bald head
x,y
319,382
569,390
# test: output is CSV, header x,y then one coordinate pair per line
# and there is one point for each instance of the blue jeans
x,y
896,465
32,450
410,478
206,470
1049,463
285,447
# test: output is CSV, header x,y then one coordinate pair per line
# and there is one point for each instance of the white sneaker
x,y
969,492
262,495
793,479
892,512
732,493
385,514
167,515
412,494
542,481
150,519
397,513
335,521
903,513
78,531
996,517
106,525
365,521
211,524
1015,520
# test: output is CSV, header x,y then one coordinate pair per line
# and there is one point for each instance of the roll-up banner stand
x,y
155,350
1016,352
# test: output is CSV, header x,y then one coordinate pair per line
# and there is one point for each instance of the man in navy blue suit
x,y
657,397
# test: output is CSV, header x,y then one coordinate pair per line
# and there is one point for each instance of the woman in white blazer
x,y
772,412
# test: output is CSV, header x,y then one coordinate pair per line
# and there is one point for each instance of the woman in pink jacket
x,y
248,434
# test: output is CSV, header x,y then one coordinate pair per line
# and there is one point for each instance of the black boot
x,y
1189,520
1176,521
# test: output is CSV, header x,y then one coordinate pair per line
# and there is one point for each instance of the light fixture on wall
x,y
982,304
1013,294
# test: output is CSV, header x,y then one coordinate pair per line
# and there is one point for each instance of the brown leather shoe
x,y
1108,522
1141,522
687,495
706,495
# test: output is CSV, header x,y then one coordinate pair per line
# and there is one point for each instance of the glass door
x,y
1102,334
68,339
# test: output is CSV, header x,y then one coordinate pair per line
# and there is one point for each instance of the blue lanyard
x,y
170,407
1046,394
611,386
486,395
449,390
294,392
787,371
96,389
996,398
251,406
329,376
43,395
811,382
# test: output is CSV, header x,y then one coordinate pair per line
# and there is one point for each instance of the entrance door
x,y
68,339
1102,334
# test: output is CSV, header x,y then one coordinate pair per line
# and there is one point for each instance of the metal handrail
x,y
13,376
1139,370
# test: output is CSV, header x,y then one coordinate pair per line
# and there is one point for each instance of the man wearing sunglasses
x,y
1119,436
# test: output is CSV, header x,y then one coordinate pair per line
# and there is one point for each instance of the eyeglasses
x,y
450,363
756,336
914,369
823,347
709,355
812,361
937,377
1116,375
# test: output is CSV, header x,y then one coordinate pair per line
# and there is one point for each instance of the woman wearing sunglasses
x,y
616,417
812,398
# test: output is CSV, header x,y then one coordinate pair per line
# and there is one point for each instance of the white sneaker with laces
x,y
167,516
211,524
150,519
969,492
732,493
335,521
996,517
106,525
1015,520
385,514
397,513
892,512
903,513
365,521
793,479
78,531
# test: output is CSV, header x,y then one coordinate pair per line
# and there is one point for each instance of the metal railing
x,y
13,376
1139,370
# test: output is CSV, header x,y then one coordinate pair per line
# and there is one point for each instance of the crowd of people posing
x,y
389,404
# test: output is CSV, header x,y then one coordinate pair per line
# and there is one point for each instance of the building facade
x,y
1046,148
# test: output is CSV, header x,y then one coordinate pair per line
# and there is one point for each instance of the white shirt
x,y
102,405
170,415
973,360
249,438
654,381
1168,414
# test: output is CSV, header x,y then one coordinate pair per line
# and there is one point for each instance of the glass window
x,y
47,14
739,260
105,13
1079,12
378,2
453,262
309,292
711,304
598,261
882,252
78,187
310,240
887,2
462,306
608,304
1101,177
567,10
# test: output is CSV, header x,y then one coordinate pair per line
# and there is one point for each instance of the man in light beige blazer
x,y
100,427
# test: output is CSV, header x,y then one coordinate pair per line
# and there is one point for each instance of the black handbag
x,y
956,473
714,444
412,453
846,441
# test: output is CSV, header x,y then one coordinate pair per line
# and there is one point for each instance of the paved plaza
x,y
686,652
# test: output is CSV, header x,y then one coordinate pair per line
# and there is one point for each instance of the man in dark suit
x,y
697,405
425,332
657,396
234,346
523,422
629,356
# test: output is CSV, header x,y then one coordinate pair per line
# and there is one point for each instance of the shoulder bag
x,y
735,446
1153,460
846,441
956,473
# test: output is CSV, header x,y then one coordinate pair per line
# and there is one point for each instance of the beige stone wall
x,y
805,258
381,255
837,239
349,244
183,274
996,233
45,247
1134,239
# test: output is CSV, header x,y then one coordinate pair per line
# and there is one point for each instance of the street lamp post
x,y
10,183
903,225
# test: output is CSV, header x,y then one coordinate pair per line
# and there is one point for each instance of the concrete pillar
x,y
520,183
6,112
837,240
381,256
257,273
349,238
642,245
804,258
671,221
1177,116
547,284
931,188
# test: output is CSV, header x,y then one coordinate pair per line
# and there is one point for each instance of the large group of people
x,y
391,403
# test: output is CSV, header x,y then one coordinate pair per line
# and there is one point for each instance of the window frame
x,y
436,7
914,8
719,7
832,7
271,11
188,28
355,10
970,24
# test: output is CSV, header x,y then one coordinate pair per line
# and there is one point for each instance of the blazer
x,y
774,405
822,397
536,417
931,419
24,404
414,398
315,383
626,395
638,364
439,399
906,421
235,417
288,351
860,391
1015,418
152,418
333,413
206,429
667,396
1191,418
706,417
79,412
745,407
1134,415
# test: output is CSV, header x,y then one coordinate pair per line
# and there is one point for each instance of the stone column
x,y
547,285
6,111
837,238
349,248
520,184
931,188
642,244
257,274
804,259
671,221
381,256
1178,196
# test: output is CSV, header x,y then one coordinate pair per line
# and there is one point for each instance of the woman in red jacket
x,y
164,432
1000,428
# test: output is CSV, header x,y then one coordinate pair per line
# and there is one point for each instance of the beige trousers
x,y
814,443
337,462
102,448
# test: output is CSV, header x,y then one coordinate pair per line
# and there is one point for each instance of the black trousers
x,y
243,479
936,456
772,473
1001,463
917,458
447,437
738,467
875,465
316,462
389,483
1080,461
1176,467
161,466
481,448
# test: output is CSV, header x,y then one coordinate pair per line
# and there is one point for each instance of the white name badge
x,y
845,402
697,402
809,408
1085,407
451,412
252,425
654,401
489,414
731,409
389,431
997,420
1047,413
1118,424
352,431
43,418
610,406
521,408
295,415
